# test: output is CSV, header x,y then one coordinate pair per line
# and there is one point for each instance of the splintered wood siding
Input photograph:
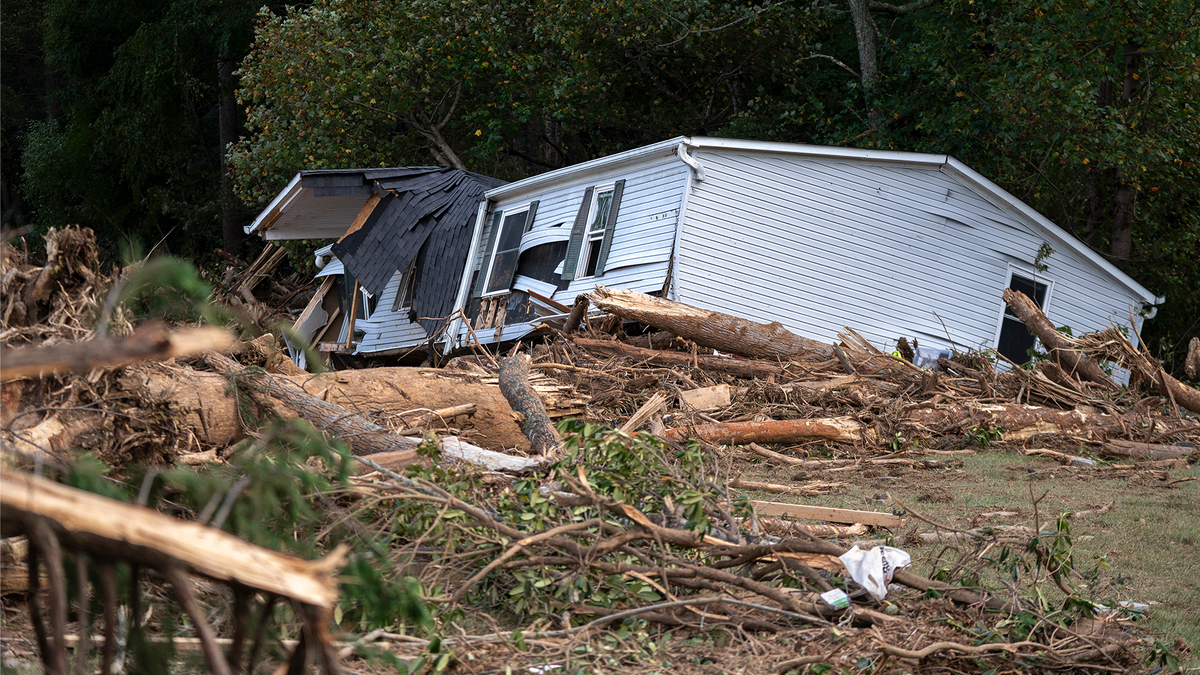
x,y
387,329
820,244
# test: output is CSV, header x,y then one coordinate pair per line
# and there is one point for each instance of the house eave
x,y
285,196
663,149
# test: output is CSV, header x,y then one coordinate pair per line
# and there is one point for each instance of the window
x,y
593,242
368,303
405,292
505,240
592,234
1014,340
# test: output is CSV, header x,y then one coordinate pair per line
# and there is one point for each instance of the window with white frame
x,y
501,261
405,292
1013,339
593,240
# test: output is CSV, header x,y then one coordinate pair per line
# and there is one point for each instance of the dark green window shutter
x,y
577,233
487,254
618,189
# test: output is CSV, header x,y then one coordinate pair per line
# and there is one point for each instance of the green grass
x,y
1150,540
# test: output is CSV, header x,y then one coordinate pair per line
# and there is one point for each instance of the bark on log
x,y
1020,423
514,384
724,332
83,520
1118,448
748,368
363,437
838,429
1191,365
1072,361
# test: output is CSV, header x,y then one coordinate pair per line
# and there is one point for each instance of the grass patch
x,y
1150,540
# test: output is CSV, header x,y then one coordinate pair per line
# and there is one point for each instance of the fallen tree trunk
x,y
363,437
1018,422
1110,344
838,429
737,367
85,520
1062,351
1131,449
719,331
514,384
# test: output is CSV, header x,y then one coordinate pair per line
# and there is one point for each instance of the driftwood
x,y
514,384
151,342
737,367
806,490
719,331
1110,344
578,311
55,516
1062,351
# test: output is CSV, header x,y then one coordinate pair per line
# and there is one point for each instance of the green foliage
x,y
984,438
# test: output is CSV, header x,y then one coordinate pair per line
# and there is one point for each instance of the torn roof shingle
x,y
434,205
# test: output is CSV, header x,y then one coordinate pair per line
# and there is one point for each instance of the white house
x,y
893,244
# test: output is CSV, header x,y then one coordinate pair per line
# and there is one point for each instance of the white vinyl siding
x,y
388,328
819,244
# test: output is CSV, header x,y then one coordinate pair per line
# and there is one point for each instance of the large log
x,y
1063,352
836,429
749,368
205,402
1019,422
514,384
363,437
719,331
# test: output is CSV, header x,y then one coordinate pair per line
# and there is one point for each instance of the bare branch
x,y
901,10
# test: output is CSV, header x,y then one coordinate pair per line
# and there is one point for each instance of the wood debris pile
x,y
636,510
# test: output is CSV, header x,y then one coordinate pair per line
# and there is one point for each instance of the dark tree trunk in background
x,y
868,64
1126,196
232,235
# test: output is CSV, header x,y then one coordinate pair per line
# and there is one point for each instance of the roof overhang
x,y
298,212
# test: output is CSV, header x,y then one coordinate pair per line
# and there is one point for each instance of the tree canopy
x,y
1084,109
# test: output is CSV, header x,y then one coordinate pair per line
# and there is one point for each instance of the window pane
x,y
593,258
502,270
510,236
1034,290
1015,341
603,205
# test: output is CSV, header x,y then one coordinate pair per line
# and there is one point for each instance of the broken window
x,y
368,303
1015,341
591,237
589,256
504,245
404,293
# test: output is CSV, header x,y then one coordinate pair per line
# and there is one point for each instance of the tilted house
x,y
893,244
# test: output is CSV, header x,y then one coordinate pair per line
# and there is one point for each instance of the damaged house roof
x,y
393,213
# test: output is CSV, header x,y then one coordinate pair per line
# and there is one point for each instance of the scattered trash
x,y
874,568
836,598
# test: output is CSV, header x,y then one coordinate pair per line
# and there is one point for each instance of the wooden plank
x,y
773,509
361,218
706,398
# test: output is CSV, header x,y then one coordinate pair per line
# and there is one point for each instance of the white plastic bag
x,y
873,568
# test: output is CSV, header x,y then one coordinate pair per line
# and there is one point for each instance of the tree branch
x,y
901,10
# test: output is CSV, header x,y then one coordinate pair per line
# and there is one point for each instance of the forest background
x,y
166,124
